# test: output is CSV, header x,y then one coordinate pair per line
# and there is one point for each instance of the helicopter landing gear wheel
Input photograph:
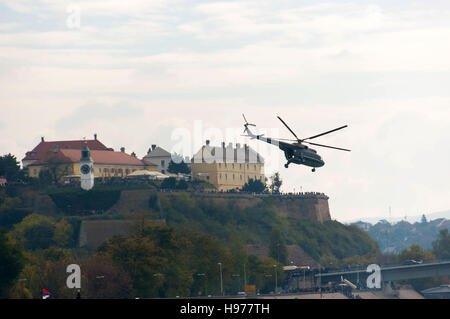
x,y
313,169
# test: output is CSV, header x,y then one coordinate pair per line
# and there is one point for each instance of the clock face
x,y
85,169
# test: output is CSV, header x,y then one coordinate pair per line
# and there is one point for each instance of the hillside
x,y
234,219
253,225
393,238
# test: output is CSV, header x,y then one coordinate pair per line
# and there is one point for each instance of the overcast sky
x,y
139,72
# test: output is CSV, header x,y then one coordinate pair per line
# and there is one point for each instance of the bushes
x,y
75,200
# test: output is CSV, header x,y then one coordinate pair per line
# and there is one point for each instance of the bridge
x,y
388,272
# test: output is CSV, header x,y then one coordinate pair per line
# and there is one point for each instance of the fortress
x,y
301,206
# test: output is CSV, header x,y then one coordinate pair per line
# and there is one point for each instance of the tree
x,y
441,246
180,167
105,280
277,247
415,252
424,219
11,263
276,183
254,186
35,231
10,168
169,183
57,168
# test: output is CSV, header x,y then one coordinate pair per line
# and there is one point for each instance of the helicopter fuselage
x,y
296,153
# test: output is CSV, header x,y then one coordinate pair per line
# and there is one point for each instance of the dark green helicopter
x,y
296,152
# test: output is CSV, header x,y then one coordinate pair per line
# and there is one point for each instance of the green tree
x,y
35,231
10,168
276,183
11,263
277,247
441,246
176,168
254,186
63,233
169,183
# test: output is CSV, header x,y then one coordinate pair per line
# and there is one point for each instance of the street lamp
x,y
276,280
239,281
221,280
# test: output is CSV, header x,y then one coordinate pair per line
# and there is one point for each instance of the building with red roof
x,y
62,158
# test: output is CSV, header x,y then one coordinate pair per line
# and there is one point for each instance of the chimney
x,y
230,145
42,139
153,147
95,136
207,142
223,144
238,145
122,149
133,154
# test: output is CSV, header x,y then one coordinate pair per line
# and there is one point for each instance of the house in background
x,y
158,156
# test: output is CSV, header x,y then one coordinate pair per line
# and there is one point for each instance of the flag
x,y
45,294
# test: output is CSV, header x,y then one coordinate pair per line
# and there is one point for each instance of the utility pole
x,y
221,281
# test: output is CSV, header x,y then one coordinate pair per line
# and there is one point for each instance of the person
x,y
78,295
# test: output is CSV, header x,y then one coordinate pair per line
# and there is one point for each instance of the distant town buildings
x,y
227,167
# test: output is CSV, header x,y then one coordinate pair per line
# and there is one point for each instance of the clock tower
x,y
86,169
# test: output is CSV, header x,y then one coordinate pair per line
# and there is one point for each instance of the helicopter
x,y
296,152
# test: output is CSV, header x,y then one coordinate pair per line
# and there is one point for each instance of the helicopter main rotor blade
x,y
247,123
288,128
328,132
322,145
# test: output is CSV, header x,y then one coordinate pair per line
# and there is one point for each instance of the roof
x,y
98,156
145,172
41,151
157,152
222,154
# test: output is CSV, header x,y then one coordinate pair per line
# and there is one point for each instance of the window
x,y
220,175
163,171
99,170
163,162
233,176
105,170
112,170
220,165
120,171
225,165
240,176
226,176
35,171
232,166
247,166
254,167
207,177
240,166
